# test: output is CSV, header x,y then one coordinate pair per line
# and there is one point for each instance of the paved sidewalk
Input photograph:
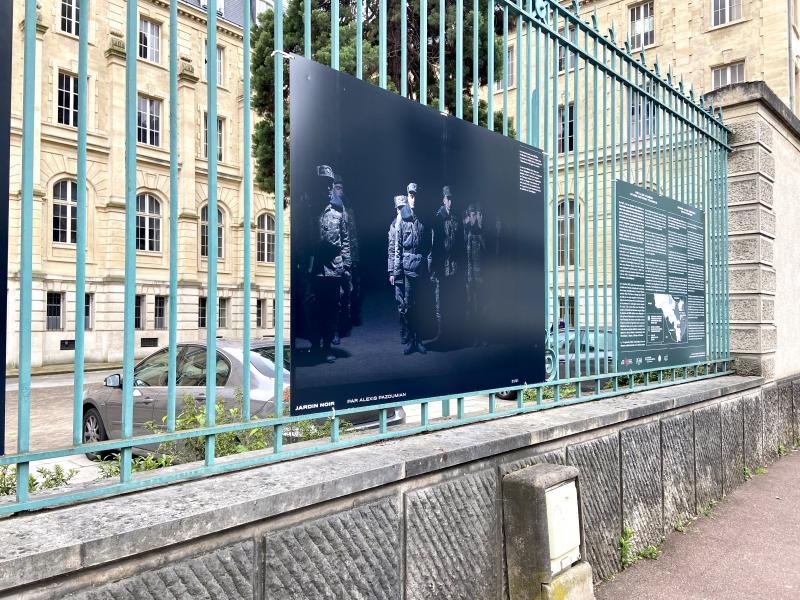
x,y
749,548
64,368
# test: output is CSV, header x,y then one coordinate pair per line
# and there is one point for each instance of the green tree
x,y
293,27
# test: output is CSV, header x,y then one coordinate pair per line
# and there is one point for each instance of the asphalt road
x,y
50,419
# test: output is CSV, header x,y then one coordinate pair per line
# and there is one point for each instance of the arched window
x,y
568,220
265,238
148,223
204,233
65,212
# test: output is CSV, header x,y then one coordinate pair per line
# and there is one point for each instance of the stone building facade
x,y
55,169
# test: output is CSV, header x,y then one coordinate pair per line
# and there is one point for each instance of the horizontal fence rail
x,y
533,70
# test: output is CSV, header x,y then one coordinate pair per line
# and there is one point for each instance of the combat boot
x,y
403,331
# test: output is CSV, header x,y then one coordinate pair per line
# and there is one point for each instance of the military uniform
x,y
409,260
448,269
475,247
399,202
351,288
332,260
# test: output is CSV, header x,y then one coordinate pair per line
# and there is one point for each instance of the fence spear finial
x,y
612,33
594,20
576,6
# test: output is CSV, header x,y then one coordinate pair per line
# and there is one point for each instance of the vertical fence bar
x,y
490,65
279,226
442,64
26,250
213,239
554,235
475,67
403,48
359,38
459,58
247,184
594,208
518,75
505,70
423,51
6,44
726,333
568,142
173,210
307,28
529,82
578,214
335,34
382,44
80,248
130,234
606,249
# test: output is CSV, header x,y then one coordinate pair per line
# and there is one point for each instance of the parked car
x,y
567,354
102,405
570,351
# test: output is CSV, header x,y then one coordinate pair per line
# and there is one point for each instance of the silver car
x,y
102,404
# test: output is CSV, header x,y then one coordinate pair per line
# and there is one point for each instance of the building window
x,y
725,11
265,238
220,136
55,311
138,313
569,126
67,99
220,64
727,75
261,313
273,313
201,312
562,307
563,53
160,312
149,40
149,125
499,83
643,116
222,313
88,312
148,223
566,217
204,233
65,212
70,16
642,31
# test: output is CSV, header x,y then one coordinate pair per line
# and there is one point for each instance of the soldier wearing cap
x,y
447,266
409,259
475,246
329,263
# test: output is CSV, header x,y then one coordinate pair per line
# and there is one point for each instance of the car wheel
x,y
93,430
507,395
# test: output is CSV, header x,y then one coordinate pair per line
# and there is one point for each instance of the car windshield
x,y
268,352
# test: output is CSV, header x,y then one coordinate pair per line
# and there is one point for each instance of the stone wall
x,y
763,220
415,518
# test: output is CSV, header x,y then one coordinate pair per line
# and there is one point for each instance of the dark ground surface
x,y
749,548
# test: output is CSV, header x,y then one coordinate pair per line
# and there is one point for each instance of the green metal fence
x,y
597,110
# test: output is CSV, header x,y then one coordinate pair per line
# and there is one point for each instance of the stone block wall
x,y
437,531
751,235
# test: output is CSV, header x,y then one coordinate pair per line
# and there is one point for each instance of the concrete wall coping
x,y
755,91
38,546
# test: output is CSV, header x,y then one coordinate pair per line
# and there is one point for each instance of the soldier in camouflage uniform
x,y
329,264
475,246
349,295
409,265
399,203
447,267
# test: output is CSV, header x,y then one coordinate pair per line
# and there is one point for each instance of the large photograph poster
x,y
417,249
661,303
